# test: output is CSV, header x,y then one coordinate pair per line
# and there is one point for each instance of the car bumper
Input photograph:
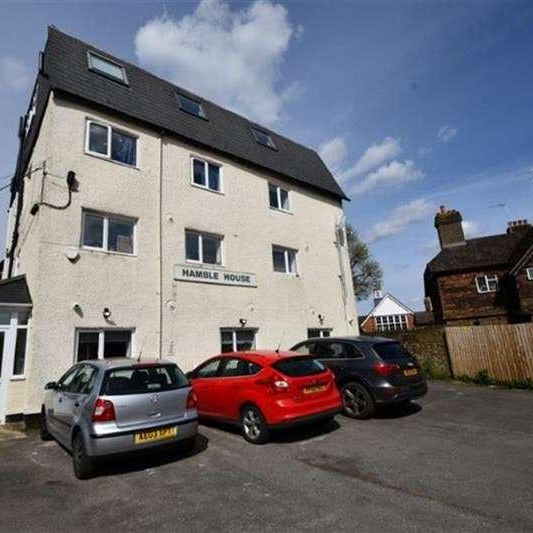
x,y
385,395
306,419
124,441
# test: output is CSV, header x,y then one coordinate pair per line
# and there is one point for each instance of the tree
x,y
366,272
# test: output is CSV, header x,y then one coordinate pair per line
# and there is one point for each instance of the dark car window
x,y
337,350
66,380
143,379
209,370
299,366
239,367
84,380
391,350
305,348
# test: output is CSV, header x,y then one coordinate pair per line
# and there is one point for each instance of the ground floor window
x,y
318,332
391,322
103,343
237,340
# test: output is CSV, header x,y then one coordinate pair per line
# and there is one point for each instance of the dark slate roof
x,y
482,252
15,291
153,101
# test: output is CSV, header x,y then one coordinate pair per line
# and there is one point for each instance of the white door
x,y
4,373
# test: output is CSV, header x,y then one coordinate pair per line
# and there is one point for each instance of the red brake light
x,y
385,369
192,402
104,411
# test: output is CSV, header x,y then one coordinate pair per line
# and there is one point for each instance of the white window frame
x,y
286,252
391,322
107,155
321,332
101,340
92,68
491,277
105,230
529,273
206,163
200,105
278,198
201,235
234,332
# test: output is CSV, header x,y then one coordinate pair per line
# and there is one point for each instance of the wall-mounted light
x,y
243,321
106,313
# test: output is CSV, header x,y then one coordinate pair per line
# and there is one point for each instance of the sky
x,y
412,104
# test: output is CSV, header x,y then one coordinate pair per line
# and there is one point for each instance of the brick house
x,y
485,280
388,314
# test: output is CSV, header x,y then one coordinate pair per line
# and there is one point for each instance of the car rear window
x,y
391,350
143,379
299,366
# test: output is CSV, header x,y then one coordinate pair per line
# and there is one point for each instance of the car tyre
x,y
253,425
83,465
357,402
43,427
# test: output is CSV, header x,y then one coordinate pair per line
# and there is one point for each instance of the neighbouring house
x,y
388,314
147,220
485,280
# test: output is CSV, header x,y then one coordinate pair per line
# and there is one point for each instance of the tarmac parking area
x,y
459,459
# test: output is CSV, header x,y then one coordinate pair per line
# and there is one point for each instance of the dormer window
x,y
487,283
263,138
107,68
193,107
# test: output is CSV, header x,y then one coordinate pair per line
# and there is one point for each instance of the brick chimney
x,y
518,226
449,227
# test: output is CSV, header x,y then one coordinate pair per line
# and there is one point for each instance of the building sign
x,y
214,275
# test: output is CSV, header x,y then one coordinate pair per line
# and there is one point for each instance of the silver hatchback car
x,y
118,405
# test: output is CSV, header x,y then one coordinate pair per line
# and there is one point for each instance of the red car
x,y
263,390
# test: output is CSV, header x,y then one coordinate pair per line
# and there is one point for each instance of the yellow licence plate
x,y
313,389
155,434
410,372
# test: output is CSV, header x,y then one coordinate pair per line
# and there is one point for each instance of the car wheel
x,y
253,424
83,465
43,427
357,401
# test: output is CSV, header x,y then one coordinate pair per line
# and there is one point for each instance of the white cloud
x,y
14,73
333,152
446,133
400,218
232,57
392,174
470,229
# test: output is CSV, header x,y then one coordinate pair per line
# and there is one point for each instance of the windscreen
x,y
299,366
143,379
391,350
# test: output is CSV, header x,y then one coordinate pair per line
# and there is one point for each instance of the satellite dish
x,y
72,253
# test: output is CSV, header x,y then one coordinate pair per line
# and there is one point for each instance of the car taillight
x,y
280,385
104,411
385,369
192,402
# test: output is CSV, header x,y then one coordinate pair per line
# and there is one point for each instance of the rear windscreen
x,y
299,366
391,350
143,379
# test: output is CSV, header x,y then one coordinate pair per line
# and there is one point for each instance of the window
x,y
391,351
336,350
109,233
315,332
19,361
239,367
299,366
263,138
203,248
193,107
206,175
143,380
108,68
278,197
110,143
67,379
101,344
486,284
284,260
237,340
84,379
529,272
209,370
391,322
306,348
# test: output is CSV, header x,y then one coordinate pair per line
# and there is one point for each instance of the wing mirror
x,y
190,375
52,385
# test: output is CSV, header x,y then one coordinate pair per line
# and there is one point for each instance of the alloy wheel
x,y
354,401
252,424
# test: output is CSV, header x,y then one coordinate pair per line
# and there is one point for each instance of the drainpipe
x,y
160,246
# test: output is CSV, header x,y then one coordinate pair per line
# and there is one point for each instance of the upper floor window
x,y
110,143
284,260
103,343
108,233
279,198
487,283
237,340
108,68
529,272
203,247
263,138
207,175
191,106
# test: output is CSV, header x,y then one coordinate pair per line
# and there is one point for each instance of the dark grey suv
x,y
369,371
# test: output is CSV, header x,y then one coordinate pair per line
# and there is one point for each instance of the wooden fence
x,y
504,351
